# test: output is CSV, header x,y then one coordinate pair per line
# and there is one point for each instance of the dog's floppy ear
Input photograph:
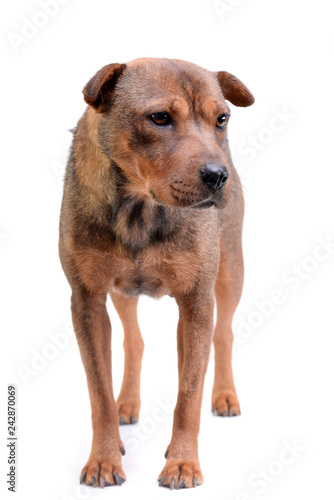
x,y
234,90
99,90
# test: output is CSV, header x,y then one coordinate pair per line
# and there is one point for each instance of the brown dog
x,y
152,204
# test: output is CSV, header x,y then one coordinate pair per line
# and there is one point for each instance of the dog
x,y
152,204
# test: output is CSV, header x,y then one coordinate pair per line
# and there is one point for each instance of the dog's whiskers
x,y
235,200
165,183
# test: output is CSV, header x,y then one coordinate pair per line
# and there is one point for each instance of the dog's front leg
x,y
195,330
93,331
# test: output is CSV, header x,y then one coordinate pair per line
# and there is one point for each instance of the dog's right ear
x,y
99,91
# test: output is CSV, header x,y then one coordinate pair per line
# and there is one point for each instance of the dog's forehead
x,y
155,80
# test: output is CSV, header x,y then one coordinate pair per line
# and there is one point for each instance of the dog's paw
x,y
225,404
102,472
180,474
128,411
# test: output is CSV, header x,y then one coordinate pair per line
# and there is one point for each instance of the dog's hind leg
x,y
128,401
228,291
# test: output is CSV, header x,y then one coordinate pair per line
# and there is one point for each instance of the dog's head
x,y
164,123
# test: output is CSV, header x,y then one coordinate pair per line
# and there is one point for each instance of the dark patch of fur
x,y
117,175
136,214
142,139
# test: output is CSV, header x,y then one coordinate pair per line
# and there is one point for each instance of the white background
x,y
283,365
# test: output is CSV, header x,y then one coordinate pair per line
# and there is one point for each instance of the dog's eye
x,y
221,120
161,118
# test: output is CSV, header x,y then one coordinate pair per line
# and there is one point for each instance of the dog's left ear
x,y
234,90
98,92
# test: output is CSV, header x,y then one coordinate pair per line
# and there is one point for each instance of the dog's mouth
x,y
204,204
187,201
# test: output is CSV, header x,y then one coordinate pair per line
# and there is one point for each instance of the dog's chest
x,y
171,267
158,274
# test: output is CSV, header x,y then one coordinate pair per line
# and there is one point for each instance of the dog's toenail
x,y
180,484
117,479
162,480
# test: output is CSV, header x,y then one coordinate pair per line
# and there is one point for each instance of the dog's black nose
x,y
215,176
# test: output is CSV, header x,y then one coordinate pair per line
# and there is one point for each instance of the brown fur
x,y
137,218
